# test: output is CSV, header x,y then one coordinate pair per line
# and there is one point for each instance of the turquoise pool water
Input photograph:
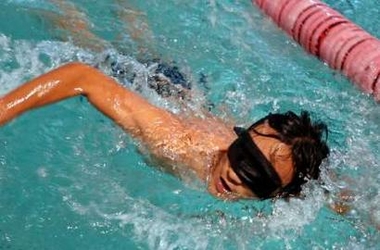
x,y
70,179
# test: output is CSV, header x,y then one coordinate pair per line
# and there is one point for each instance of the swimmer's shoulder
x,y
210,130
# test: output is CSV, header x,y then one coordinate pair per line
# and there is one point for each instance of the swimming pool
x,y
70,179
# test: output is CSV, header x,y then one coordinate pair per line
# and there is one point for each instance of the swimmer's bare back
x,y
166,135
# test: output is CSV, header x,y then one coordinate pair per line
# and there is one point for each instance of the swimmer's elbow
x,y
76,65
79,69
83,78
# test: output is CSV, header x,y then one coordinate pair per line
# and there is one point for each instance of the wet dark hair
x,y
307,141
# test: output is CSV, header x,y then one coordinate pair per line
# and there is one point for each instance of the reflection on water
x,y
83,183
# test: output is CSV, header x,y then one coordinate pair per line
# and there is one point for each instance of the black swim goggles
x,y
251,166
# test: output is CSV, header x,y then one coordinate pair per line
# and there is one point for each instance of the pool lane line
x,y
330,36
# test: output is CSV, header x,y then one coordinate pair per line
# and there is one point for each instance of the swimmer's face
x,y
225,183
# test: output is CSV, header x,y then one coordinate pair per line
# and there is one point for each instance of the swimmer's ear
x,y
281,159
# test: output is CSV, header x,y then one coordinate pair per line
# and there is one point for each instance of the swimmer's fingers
x,y
340,207
342,203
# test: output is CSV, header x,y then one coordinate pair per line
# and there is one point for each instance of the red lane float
x,y
327,34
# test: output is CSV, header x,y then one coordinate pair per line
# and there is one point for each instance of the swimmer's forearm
x,y
67,81
45,89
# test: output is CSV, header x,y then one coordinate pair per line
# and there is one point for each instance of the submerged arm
x,y
137,27
129,110
77,25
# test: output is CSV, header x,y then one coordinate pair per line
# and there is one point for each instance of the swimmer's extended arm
x,y
125,107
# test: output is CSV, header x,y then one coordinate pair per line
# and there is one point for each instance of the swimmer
x,y
273,157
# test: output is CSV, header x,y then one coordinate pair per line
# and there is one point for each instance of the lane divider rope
x,y
327,34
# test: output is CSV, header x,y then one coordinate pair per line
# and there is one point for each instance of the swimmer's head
x,y
272,158
279,153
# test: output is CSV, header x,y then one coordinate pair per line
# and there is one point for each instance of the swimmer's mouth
x,y
225,185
